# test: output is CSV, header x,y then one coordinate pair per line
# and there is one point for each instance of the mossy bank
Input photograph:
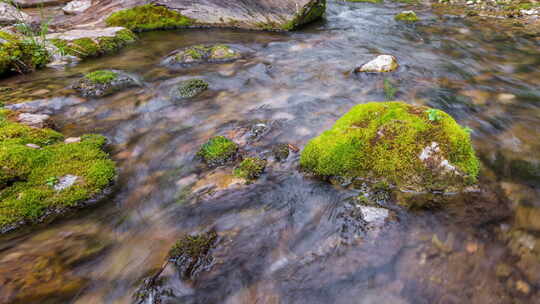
x,y
43,176
21,54
412,147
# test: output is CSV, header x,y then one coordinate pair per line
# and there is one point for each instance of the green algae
x,y
193,246
250,168
26,173
218,150
149,17
383,141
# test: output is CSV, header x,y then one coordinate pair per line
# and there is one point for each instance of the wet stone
x,y
76,7
200,54
103,82
34,120
380,64
189,89
280,152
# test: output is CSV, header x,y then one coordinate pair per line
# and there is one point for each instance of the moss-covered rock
x,y
218,151
91,43
103,82
198,54
33,161
189,88
280,151
250,168
409,146
310,12
191,253
149,17
407,16
21,54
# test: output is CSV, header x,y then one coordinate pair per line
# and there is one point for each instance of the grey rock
x,y
66,182
34,120
10,15
77,7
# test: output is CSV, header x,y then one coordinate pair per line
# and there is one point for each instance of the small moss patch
x,y
149,17
205,53
101,76
191,253
250,168
385,141
218,150
312,11
89,47
190,88
28,174
407,16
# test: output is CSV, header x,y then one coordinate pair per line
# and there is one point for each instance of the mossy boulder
x,y
218,151
103,82
199,54
412,147
250,168
191,253
280,152
149,17
189,88
407,16
33,161
21,54
91,43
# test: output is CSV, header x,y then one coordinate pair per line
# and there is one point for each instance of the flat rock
x,y
76,7
380,64
34,120
76,34
10,15
38,3
254,14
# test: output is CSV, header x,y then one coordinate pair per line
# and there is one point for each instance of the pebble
x,y
71,140
33,146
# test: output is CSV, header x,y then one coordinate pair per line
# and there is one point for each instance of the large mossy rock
x,y
412,147
140,15
41,175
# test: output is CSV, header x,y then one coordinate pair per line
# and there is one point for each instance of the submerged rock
x,y
396,143
381,64
250,168
218,151
166,14
198,54
103,82
280,152
189,88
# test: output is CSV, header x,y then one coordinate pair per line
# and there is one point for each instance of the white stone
x,y
92,34
10,15
71,140
373,215
77,7
34,120
33,146
65,182
431,154
381,63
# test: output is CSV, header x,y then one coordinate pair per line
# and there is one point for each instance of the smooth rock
x,y
381,64
374,215
71,140
72,35
33,146
77,7
10,15
34,120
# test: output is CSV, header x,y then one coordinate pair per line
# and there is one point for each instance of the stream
x,y
289,238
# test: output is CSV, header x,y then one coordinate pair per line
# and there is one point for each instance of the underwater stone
x,y
280,152
396,143
200,54
189,88
381,64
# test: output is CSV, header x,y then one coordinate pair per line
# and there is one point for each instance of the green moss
x,y
309,13
407,16
101,76
87,47
21,54
149,17
193,246
383,140
250,168
26,192
191,88
198,53
218,150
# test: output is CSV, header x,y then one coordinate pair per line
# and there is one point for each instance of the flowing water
x,y
288,238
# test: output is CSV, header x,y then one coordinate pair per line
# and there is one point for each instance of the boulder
x,y
11,15
76,7
103,82
200,54
139,15
90,43
411,147
381,63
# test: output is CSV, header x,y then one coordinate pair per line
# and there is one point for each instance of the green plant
x,y
101,76
389,89
52,181
250,168
218,150
433,115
